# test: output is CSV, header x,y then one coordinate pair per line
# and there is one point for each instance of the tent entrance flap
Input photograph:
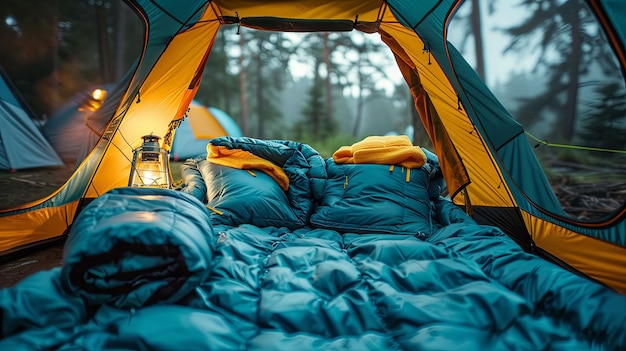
x,y
277,24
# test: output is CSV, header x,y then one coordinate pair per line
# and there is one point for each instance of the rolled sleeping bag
x,y
138,246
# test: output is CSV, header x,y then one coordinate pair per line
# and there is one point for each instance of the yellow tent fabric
x,y
203,124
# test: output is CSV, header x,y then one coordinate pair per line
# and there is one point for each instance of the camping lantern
x,y
150,166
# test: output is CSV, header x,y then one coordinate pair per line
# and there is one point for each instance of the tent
x,y
76,126
200,126
489,166
67,128
22,145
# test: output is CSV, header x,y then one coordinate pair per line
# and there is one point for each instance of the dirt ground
x,y
14,271
23,186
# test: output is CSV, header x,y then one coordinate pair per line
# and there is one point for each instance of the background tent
x,y
74,129
67,128
200,126
489,166
22,145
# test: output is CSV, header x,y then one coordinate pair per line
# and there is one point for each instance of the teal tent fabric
x,y
22,144
615,10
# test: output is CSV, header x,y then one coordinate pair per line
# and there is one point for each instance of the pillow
x,y
437,185
305,167
237,197
193,184
366,198
258,199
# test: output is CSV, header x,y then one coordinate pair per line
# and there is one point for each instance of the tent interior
x,y
488,160
451,101
527,209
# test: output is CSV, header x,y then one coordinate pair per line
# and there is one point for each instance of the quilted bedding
x,y
349,257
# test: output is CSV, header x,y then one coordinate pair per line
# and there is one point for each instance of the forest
x,y
562,81
320,85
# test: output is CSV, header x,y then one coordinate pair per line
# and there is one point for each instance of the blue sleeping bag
x,y
154,269
138,246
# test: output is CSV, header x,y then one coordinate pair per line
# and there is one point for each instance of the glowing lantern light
x,y
150,167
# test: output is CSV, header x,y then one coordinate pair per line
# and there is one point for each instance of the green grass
x,y
326,147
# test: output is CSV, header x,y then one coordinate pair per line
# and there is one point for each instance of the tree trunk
x,y
121,29
103,43
478,39
243,99
260,101
54,33
226,93
315,107
569,114
329,87
359,101
418,128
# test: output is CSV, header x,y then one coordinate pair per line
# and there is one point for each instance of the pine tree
x,y
605,125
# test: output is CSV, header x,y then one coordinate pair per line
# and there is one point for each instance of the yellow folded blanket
x,y
240,159
386,150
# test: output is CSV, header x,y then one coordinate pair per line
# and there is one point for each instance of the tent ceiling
x,y
312,9
308,16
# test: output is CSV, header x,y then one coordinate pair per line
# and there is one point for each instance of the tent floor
x,y
16,270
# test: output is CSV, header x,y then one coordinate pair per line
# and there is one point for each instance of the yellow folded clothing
x,y
343,155
386,150
240,159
